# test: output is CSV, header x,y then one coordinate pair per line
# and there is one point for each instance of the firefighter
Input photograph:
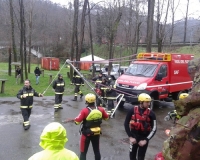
x,y
140,126
26,97
91,118
77,81
110,96
173,114
97,79
104,88
53,140
59,87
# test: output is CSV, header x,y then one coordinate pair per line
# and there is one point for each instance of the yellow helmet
x,y
90,98
183,95
143,97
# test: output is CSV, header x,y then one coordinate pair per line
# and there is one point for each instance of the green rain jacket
x,y
52,140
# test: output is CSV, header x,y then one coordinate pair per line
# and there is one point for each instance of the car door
x,y
163,84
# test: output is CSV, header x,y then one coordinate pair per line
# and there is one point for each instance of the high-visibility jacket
x,y
29,93
59,85
52,140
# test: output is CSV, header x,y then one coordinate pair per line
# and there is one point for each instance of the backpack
x,y
91,125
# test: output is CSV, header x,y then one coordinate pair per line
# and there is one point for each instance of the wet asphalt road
x,y
17,144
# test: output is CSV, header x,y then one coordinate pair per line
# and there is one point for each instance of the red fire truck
x,y
158,74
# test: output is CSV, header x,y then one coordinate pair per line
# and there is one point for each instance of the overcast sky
x,y
194,7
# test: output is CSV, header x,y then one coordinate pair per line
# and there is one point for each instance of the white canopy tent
x,y
86,61
89,59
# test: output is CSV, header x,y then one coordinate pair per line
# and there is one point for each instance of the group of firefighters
x,y
140,123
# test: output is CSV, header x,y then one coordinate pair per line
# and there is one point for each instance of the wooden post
x,y
9,62
42,72
68,75
50,79
3,84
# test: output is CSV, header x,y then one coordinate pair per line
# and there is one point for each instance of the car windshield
x,y
141,70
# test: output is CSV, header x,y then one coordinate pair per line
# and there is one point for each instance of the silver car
x,y
116,71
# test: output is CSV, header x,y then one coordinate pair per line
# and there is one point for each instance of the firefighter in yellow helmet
x,y
140,126
91,118
173,114
52,140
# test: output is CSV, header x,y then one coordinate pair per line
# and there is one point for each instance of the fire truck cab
x,y
158,74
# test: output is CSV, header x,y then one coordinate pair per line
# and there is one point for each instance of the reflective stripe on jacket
x,y
29,93
59,86
77,80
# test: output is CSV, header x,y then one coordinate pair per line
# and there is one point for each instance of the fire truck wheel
x,y
154,104
121,105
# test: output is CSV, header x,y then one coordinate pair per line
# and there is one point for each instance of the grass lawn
x,y
11,88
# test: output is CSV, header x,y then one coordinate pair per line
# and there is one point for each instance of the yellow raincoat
x,y
52,140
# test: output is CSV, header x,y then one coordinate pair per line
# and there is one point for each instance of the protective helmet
x,y
90,98
143,97
183,95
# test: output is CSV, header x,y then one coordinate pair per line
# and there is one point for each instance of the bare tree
x,y
21,39
138,24
30,34
74,33
150,16
82,31
186,19
173,11
160,28
13,30
111,18
99,29
91,41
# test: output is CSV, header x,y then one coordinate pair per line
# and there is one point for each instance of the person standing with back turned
x,y
140,126
59,87
91,118
77,81
53,140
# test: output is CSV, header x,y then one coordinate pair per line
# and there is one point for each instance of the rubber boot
x,y
26,127
75,98
109,113
56,109
81,95
60,107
